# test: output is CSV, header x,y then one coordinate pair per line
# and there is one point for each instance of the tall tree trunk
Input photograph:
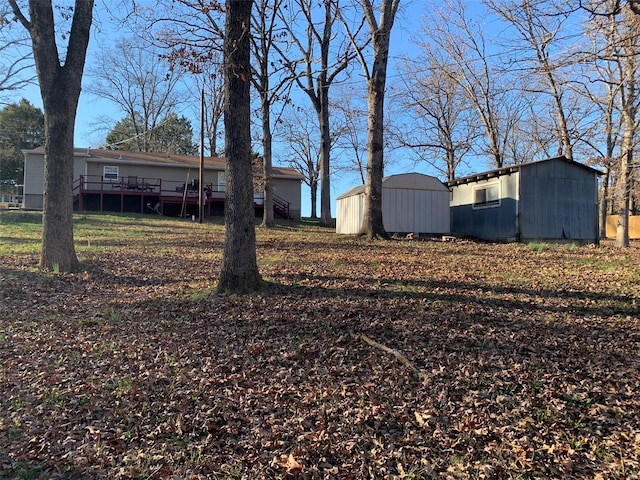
x,y
58,251
624,184
239,272
373,225
322,109
60,90
267,215
325,152
629,112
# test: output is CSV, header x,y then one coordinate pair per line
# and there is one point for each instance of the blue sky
x,y
91,108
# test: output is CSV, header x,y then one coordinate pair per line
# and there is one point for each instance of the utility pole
x,y
201,173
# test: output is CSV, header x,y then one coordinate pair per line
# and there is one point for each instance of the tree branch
x,y
404,360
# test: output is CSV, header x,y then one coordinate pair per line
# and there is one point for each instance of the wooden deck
x,y
153,195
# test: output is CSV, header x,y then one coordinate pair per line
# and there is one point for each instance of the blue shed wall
x,y
499,222
558,201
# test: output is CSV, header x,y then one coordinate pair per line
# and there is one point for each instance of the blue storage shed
x,y
553,199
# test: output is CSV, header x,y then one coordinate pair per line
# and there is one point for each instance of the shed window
x,y
486,196
110,173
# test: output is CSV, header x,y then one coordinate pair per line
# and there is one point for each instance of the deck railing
x,y
130,184
97,183
171,191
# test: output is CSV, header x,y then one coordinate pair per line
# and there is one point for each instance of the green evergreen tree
x,y
173,135
124,136
21,127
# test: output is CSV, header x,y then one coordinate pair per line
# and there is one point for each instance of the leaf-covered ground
x,y
499,361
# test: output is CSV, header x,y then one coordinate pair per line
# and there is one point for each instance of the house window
x,y
222,181
110,173
486,196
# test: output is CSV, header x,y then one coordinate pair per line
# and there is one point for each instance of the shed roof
x,y
123,157
515,168
405,181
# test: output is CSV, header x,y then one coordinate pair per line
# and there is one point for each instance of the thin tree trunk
x,y
451,164
267,215
629,113
239,272
325,152
313,187
604,201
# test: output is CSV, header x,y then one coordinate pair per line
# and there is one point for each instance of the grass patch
x,y
270,259
200,294
538,246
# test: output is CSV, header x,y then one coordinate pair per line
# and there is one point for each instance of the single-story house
x,y
115,180
553,199
411,203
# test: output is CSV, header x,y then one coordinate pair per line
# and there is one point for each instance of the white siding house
x,y
120,181
411,203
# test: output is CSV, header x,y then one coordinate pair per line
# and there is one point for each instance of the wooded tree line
x,y
511,82
559,80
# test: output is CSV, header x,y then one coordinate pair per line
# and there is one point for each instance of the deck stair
x,y
281,207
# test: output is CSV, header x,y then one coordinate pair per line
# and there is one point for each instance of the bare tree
x,y
60,88
266,32
375,72
600,86
465,58
541,30
190,31
350,127
209,79
627,41
133,77
300,133
239,273
16,58
615,33
531,130
442,125
188,35
316,59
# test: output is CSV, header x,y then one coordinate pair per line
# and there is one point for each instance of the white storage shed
x,y
411,203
